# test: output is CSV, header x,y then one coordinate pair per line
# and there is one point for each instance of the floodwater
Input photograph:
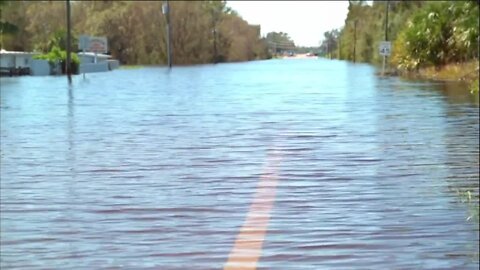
x,y
150,169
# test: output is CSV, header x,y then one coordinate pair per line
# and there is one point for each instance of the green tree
x,y
330,43
202,32
279,42
13,20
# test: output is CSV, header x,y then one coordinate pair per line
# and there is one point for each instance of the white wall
x,y
90,59
22,60
92,67
113,64
39,67
7,60
15,60
84,59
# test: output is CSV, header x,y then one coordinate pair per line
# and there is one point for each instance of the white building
x,y
22,63
91,62
12,59
15,61
89,57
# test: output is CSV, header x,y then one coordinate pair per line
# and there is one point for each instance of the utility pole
x,y
339,49
166,11
214,45
386,36
69,26
386,20
215,16
215,58
354,41
328,50
331,54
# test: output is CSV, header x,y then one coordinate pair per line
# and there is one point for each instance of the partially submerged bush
x,y
59,56
474,87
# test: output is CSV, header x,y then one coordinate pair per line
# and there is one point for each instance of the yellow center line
x,y
248,245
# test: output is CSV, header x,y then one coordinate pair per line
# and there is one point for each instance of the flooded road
x,y
321,163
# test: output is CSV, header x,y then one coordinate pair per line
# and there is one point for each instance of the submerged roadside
x,y
466,72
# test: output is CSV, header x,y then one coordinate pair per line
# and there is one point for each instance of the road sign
x,y
385,48
93,44
165,8
97,45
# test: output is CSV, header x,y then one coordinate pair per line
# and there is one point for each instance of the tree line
x,y
279,42
202,31
423,33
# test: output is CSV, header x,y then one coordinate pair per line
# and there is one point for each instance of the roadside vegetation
x,y
202,31
59,56
471,198
56,52
433,39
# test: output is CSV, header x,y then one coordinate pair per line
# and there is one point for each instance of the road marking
x,y
248,245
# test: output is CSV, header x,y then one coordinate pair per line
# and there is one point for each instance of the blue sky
x,y
304,21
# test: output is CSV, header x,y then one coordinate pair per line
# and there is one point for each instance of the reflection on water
x,y
153,169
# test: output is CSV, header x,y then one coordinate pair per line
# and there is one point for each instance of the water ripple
x,y
160,173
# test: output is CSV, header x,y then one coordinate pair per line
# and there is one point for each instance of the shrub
x,y
474,87
59,56
440,33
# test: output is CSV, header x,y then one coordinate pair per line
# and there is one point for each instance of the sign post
x,y
92,44
385,50
82,45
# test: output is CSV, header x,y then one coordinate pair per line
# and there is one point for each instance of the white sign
x,y
164,8
385,48
97,45
93,44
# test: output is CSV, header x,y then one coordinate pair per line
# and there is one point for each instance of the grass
x,y
471,199
467,71
474,86
462,72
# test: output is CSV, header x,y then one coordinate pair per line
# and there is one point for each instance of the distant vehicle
x,y
310,54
